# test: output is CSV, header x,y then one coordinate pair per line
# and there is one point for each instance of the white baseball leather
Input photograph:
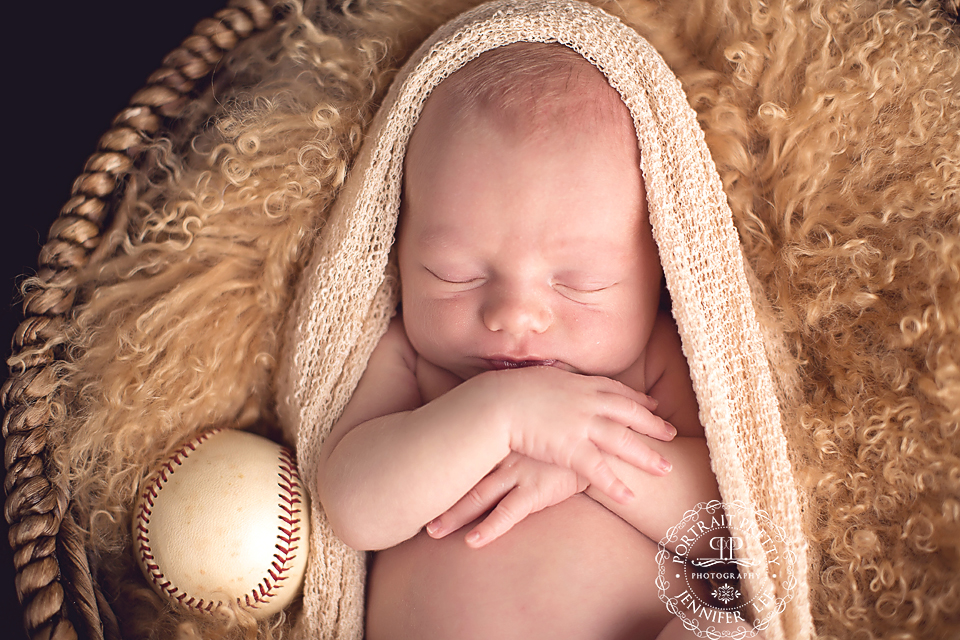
x,y
224,519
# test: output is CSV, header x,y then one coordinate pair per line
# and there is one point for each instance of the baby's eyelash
x,y
448,281
584,290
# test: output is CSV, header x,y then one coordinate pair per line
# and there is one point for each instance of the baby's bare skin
x,y
526,427
574,571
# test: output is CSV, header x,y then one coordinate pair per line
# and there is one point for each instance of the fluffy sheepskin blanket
x,y
349,291
835,129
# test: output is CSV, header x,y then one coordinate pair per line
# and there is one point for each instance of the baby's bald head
x,y
531,90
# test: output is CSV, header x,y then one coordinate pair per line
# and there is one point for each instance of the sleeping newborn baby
x,y
526,428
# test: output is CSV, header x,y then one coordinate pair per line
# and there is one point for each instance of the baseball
x,y
224,519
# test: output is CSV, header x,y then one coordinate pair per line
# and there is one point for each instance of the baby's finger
x,y
514,507
632,413
629,446
589,463
480,499
609,385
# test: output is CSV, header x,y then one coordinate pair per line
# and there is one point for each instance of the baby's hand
x,y
518,487
568,419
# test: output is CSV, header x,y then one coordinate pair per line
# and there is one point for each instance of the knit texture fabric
x,y
349,291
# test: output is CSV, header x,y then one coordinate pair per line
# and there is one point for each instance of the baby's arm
x,y
380,470
390,466
520,486
662,502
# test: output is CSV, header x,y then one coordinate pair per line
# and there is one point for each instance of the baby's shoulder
x,y
668,377
395,346
395,338
396,352
663,347
388,384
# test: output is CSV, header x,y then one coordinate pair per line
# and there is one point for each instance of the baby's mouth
x,y
498,364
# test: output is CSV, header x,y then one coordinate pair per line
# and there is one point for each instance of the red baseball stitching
x,y
288,528
287,537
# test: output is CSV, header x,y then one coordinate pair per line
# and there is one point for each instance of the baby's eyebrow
x,y
440,236
604,248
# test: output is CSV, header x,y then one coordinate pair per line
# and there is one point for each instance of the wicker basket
x,y
60,598
53,583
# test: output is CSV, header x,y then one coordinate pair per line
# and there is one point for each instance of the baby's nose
x,y
517,313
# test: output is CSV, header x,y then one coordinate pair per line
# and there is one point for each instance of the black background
x,y
68,68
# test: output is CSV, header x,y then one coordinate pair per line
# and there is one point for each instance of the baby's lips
x,y
510,363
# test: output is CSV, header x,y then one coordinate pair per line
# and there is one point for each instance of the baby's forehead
x,y
531,88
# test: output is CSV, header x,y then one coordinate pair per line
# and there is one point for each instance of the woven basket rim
x,y
54,584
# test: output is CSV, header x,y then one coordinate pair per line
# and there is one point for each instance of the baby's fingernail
x,y
665,466
433,527
672,430
626,494
473,537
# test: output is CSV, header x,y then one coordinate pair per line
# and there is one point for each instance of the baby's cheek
x,y
612,342
436,328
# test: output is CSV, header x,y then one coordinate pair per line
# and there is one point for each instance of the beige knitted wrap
x,y
348,293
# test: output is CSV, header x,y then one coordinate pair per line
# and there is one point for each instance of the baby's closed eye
x,y
582,289
596,278
455,276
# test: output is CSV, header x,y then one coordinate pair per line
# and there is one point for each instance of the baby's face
x,y
526,249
